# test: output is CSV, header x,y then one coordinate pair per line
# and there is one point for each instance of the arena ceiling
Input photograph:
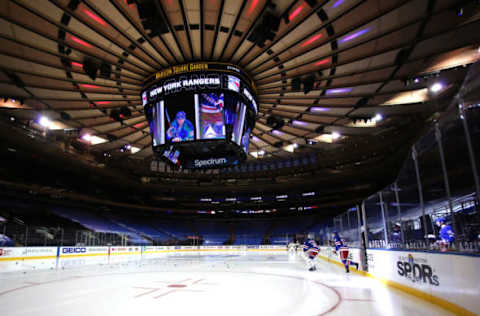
x,y
331,76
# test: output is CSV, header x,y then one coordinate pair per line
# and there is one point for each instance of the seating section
x,y
99,224
140,226
250,232
214,233
65,225
281,230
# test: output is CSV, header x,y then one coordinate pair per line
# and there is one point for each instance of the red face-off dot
x,y
177,285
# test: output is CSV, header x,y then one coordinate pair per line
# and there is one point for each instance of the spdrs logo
x,y
417,270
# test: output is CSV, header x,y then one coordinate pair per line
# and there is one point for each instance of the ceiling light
x,y
318,109
93,140
291,148
436,87
134,149
45,122
336,135
378,117
299,123
87,137
339,90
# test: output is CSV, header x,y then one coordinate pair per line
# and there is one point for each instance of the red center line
x,y
199,280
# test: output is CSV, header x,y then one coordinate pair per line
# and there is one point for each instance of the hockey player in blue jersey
x,y
342,249
310,248
447,236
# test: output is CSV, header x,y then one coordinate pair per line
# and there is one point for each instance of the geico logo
x,y
74,250
417,272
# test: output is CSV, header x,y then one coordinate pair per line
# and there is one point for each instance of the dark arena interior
x,y
245,157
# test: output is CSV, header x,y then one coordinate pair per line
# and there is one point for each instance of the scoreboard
x,y
200,114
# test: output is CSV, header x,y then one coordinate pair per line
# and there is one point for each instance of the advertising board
x,y
453,278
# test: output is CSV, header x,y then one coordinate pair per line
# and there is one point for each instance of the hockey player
x,y
342,248
310,249
447,236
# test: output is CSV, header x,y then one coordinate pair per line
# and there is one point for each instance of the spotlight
x,y
87,137
336,135
378,117
436,87
45,122
416,80
460,12
12,118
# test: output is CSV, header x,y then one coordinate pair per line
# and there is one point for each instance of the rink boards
x,y
447,280
444,279
34,258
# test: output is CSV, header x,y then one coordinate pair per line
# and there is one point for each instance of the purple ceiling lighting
x,y
338,3
299,123
255,138
338,91
354,35
276,132
318,109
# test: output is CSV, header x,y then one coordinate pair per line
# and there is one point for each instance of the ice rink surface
x,y
203,284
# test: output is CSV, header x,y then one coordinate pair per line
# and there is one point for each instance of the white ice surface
x,y
202,284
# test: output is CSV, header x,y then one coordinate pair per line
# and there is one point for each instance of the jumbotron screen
x,y
200,115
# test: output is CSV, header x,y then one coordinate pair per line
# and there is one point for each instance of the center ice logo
x,y
416,272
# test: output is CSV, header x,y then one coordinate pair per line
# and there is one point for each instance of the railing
x,y
15,234
463,246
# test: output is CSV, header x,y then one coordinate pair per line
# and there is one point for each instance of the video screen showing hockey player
x,y
179,114
211,116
